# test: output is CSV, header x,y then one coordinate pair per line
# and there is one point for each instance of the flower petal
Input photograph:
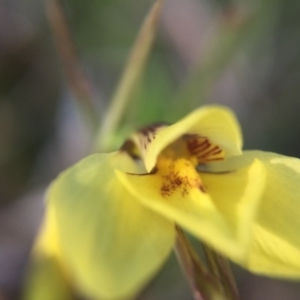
x,y
275,248
217,123
237,195
48,277
221,216
111,244
46,281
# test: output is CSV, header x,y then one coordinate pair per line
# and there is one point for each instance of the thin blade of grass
x,y
78,81
130,78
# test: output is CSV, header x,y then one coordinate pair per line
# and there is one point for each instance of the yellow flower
x,y
110,221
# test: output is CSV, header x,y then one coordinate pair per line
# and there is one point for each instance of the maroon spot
x,y
202,188
210,152
195,147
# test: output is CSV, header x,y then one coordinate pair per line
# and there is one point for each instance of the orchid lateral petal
x,y
111,244
202,209
217,123
48,276
275,248
237,196
46,281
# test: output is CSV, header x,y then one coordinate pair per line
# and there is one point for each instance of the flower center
x,y
177,164
178,176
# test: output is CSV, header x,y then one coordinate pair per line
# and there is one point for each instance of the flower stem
x,y
205,286
220,268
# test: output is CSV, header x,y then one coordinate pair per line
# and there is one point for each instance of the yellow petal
x,y
222,216
47,243
217,123
47,277
111,243
275,248
237,194
45,281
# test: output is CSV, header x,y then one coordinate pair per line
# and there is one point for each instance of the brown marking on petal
x,y
202,188
147,134
196,145
211,151
130,148
202,149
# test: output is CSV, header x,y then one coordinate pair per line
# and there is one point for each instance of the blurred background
x,y
241,53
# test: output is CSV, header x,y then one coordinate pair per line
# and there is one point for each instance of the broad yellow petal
x,y
217,208
45,280
111,244
47,243
47,277
275,249
237,194
217,123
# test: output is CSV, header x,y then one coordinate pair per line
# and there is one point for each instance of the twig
x,y
75,75
204,285
219,267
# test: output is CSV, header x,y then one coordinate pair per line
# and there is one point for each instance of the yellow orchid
x,y
110,220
